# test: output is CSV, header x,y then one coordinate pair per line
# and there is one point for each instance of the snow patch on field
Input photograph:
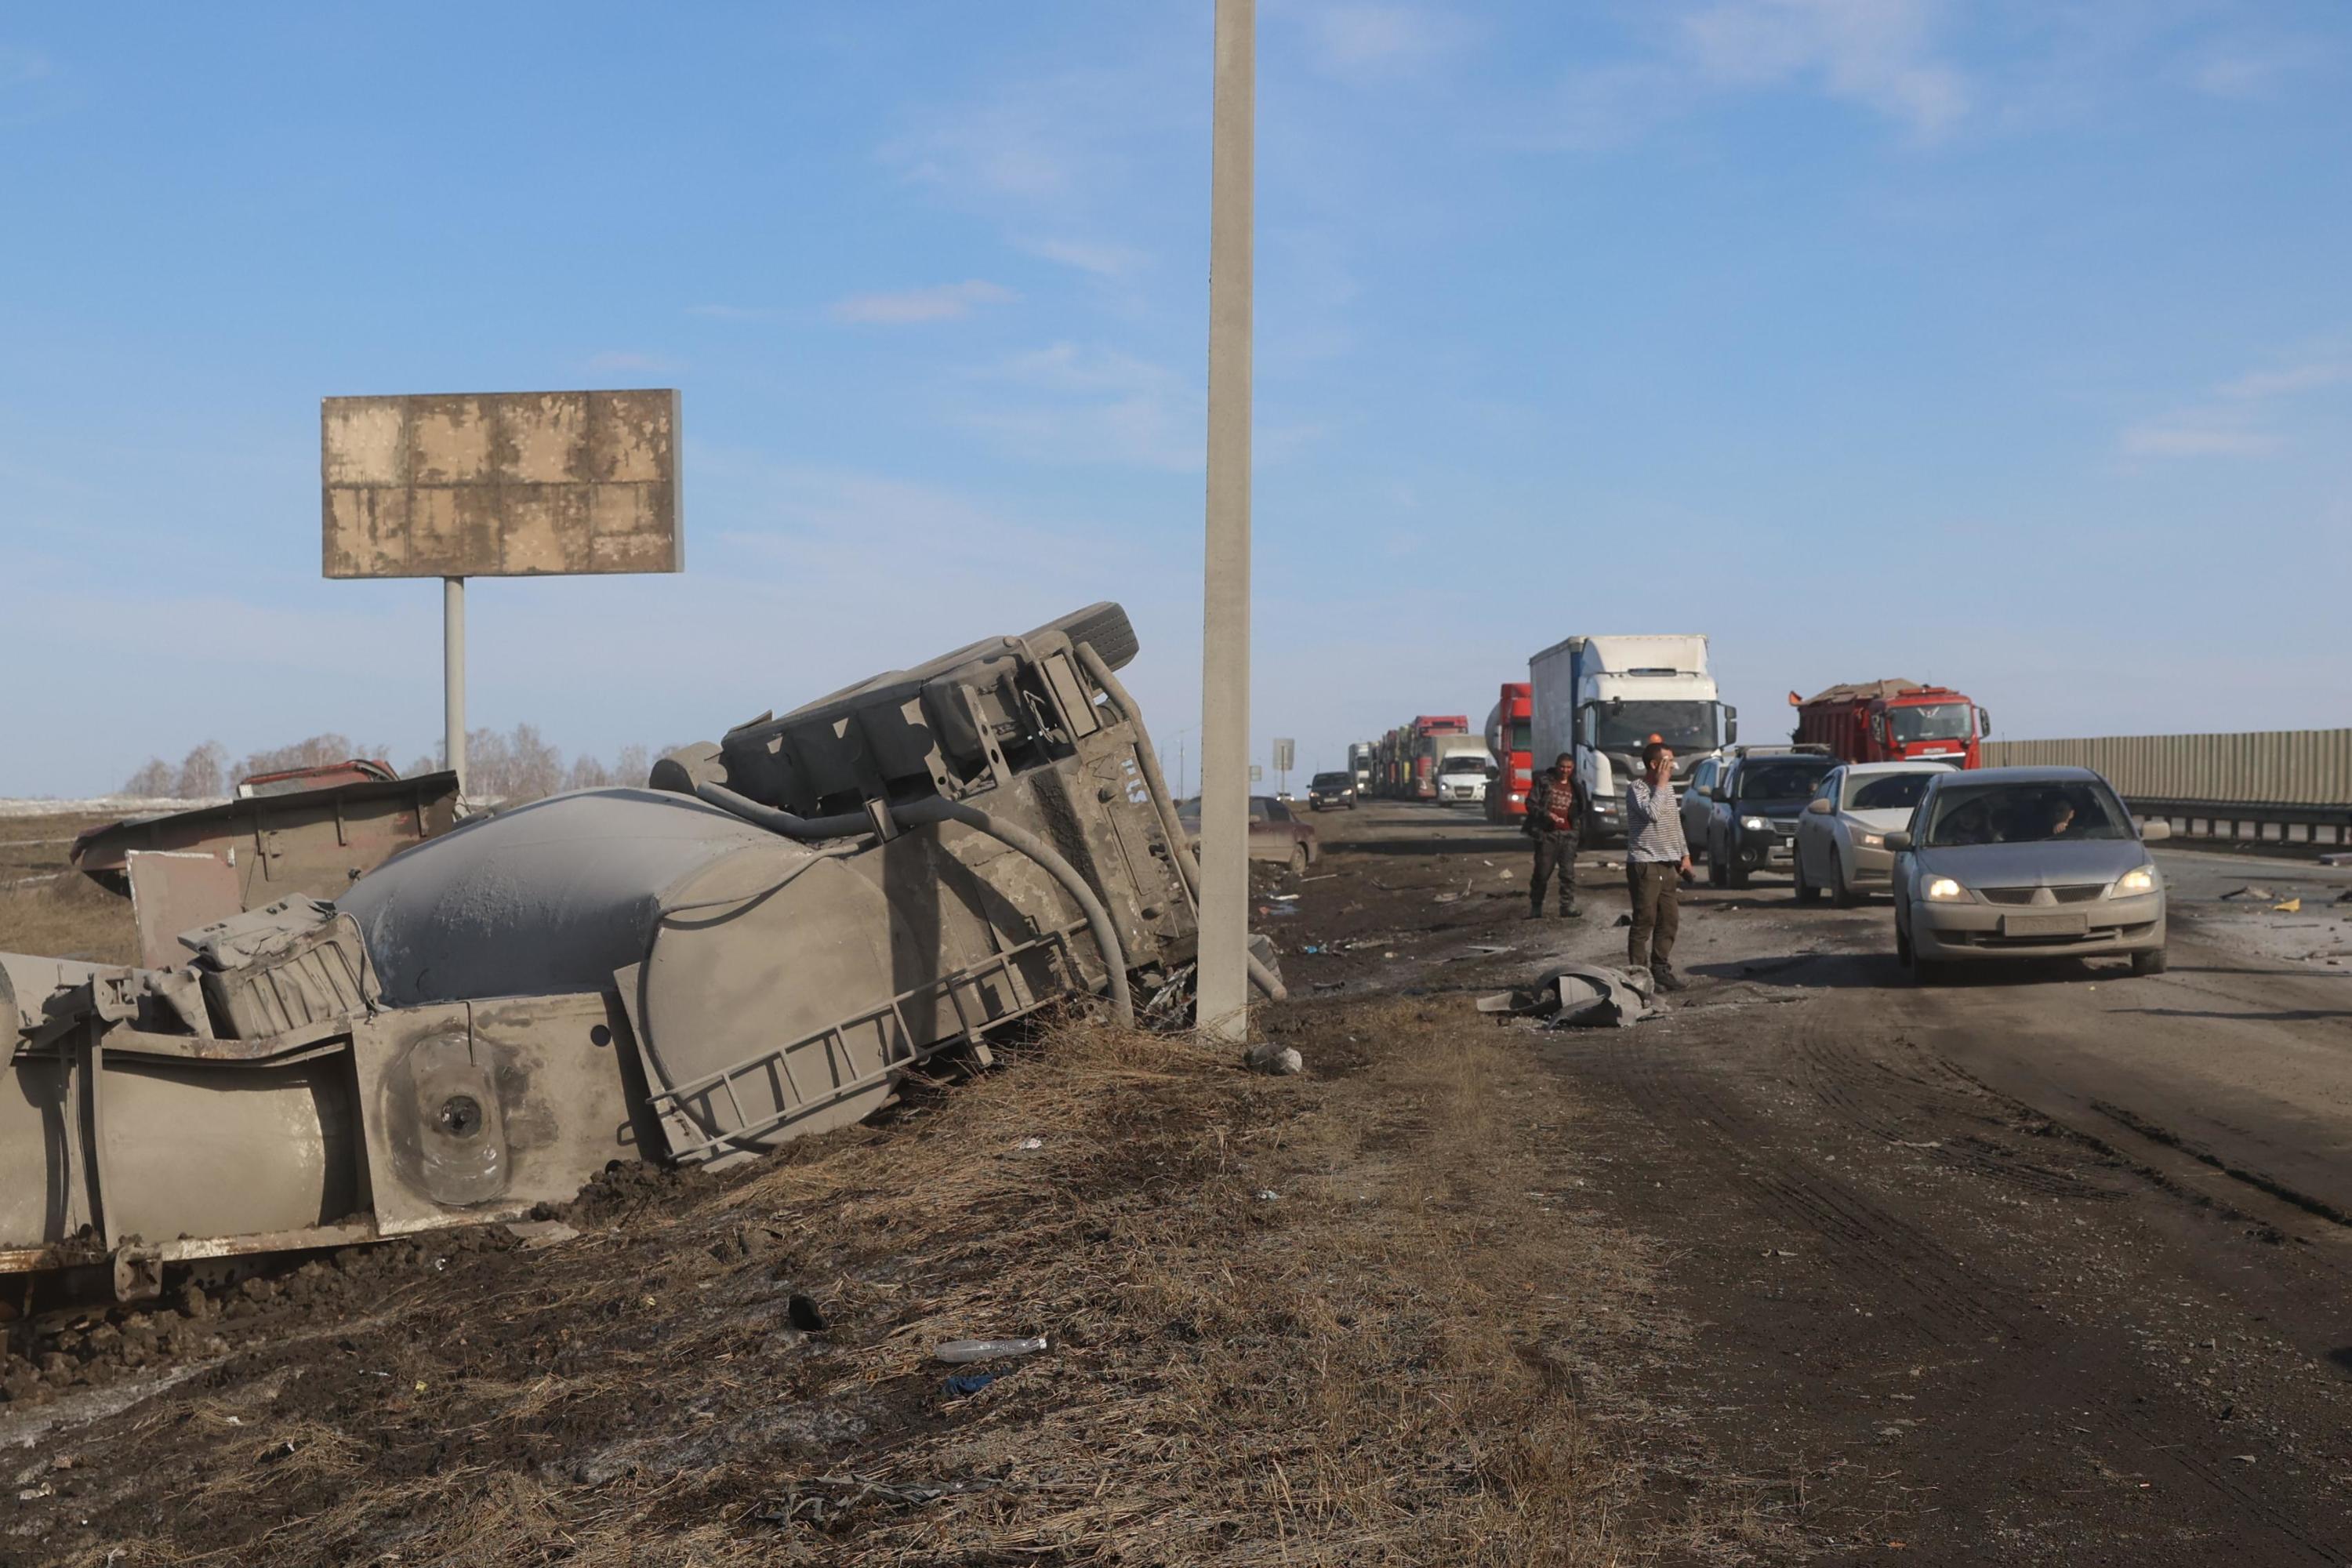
x,y
103,806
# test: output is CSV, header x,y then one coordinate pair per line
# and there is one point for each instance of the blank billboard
x,y
508,484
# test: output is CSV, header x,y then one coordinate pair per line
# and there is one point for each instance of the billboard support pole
x,y
1221,998
453,676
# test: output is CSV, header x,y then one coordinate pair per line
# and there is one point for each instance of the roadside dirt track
x,y
2046,1265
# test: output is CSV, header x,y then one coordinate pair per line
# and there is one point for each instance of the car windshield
x,y
1330,781
1929,722
1885,792
1463,765
1779,781
2026,813
1628,726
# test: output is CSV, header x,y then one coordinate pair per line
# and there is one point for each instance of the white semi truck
x,y
1603,697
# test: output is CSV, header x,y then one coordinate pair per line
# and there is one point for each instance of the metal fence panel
x,y
2270,767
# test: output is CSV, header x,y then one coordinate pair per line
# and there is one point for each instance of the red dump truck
x,y
1510,734
1892,720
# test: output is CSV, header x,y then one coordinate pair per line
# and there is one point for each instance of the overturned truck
x,y
756,945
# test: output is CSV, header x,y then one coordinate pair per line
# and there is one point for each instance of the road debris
x,y
2288,907
2249,891
1580,995
536,1233
1281,1061
960,1353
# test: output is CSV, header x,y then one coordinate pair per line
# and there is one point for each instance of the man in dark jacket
x,y
1555,823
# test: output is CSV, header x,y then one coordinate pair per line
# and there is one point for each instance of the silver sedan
x,y
1841,836
2025,863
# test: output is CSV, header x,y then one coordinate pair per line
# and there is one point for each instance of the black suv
x,y
1751,824
1332,789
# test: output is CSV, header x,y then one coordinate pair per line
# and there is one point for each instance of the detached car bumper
x,y
2092,929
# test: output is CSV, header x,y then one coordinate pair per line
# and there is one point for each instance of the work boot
x,y
1667,980
1536,914
1570,912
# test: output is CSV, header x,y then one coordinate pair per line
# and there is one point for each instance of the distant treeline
x,y
513,765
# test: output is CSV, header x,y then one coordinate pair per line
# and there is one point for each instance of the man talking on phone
x,y
1656,861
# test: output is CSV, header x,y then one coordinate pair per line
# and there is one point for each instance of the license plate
x,y
2045,925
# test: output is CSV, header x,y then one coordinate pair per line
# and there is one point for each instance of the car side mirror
x,y
1898,841
2150,832
1821,805
1984,723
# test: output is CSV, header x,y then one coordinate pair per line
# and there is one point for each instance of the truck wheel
x,y
2148,963
1107,626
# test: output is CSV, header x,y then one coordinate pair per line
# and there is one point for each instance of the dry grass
x,y
72,917
1410,1354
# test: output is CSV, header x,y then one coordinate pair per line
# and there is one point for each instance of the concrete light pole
x,y
1223,977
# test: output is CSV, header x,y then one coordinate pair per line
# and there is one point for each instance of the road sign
x,y
497,484
1257,773
500,484
1285,755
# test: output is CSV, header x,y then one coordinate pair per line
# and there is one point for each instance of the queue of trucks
x,y
1604,699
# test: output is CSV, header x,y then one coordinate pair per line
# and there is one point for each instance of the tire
x,y
1298,860
1107,626
1841,894
2148,963
1924,971
1806,893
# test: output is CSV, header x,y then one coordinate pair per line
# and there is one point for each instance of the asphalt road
x,y
2053,1264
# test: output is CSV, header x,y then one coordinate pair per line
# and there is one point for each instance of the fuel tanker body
x,y
757,946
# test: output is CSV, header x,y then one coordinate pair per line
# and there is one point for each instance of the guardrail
x,y
2280,787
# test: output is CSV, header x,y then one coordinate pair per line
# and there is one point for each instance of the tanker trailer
x,y
758,946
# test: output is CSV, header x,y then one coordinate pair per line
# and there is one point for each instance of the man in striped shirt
x,y
1656,861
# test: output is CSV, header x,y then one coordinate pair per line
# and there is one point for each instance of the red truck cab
x,y
1510,737
1892,721
1422,785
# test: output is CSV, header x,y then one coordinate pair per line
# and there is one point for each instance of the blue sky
x,y
2007,345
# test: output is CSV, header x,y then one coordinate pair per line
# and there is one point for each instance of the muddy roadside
x,y
1365,1315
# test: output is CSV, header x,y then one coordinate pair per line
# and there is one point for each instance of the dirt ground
x,y
2034,1268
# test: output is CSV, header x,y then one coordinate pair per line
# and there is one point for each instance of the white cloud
x,y
944,303
2180,439
2238,422
1092,404
1017,145
1876,53
2285,383
1365,44
1880,54
1099,259
641,364
734,312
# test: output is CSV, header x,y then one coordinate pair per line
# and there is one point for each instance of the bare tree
x,y
632,766
200,775
151,781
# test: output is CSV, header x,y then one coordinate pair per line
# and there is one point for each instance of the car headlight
x,y
1754,824
1944,889
2141,879
1871,840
